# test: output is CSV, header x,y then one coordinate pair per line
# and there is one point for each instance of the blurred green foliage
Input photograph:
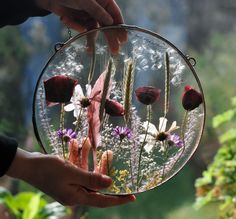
x,y
155,203
13,55
216,68
218,183
30,205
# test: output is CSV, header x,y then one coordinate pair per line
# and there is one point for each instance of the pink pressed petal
x,y
73,152
106,162
86,146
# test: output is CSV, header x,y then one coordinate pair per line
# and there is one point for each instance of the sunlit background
x,y
206,30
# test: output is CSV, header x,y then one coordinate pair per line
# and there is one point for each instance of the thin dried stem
x,y
92,66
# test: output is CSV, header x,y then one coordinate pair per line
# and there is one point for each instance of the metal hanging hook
x,y
192,60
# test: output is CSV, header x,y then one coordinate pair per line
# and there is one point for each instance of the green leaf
x,y
3,193
222,118
53,209
228,136
32,208
202,201
11,204
228,201
22,199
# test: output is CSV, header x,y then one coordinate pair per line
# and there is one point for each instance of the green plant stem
x,y
77,120
183,127
62,122
92,66
165,159
142,146
131,171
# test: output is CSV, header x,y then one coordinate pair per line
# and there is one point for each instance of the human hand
x,y
83,15
63,181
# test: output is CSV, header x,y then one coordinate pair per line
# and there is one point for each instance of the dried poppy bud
x,y
147,94
59,89
191,98
114,108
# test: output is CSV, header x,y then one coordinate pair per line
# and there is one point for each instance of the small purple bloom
x,y
122,132
66,134
174,139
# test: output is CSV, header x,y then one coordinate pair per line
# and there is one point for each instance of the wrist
x,y
22,165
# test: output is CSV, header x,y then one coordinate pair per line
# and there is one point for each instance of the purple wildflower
x,y
174,139
66,134
122,132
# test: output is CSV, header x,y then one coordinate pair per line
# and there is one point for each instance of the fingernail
x,y
108,20
133,198
107,178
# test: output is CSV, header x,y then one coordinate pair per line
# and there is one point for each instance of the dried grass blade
x,y
128,89
106,85
167,84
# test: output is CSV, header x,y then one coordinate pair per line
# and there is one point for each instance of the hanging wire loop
x,y
191,60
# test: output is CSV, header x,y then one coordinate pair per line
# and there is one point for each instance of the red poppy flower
x,y
59,89
114,108
147,94
191,98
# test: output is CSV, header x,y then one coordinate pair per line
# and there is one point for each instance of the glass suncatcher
x,y
134,112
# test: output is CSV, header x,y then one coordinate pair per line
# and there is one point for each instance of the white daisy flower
x,y
79,100
155,135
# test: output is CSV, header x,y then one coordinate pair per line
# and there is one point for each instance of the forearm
x,y
14,12
20,165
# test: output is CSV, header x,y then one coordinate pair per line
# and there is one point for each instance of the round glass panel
x,y
122,101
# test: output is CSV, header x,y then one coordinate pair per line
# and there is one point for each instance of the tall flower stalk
x,y
191,99
142,147
147,95
128,89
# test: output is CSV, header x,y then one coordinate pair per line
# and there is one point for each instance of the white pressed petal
x,y
148,147
173,127
78,93
69,107
88,90
76,111
162,124
148,138
141,138
151,129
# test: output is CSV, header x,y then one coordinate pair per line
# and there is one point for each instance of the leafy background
x,y
205,30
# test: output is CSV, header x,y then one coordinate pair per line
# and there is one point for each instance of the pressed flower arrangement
x,y
135,113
